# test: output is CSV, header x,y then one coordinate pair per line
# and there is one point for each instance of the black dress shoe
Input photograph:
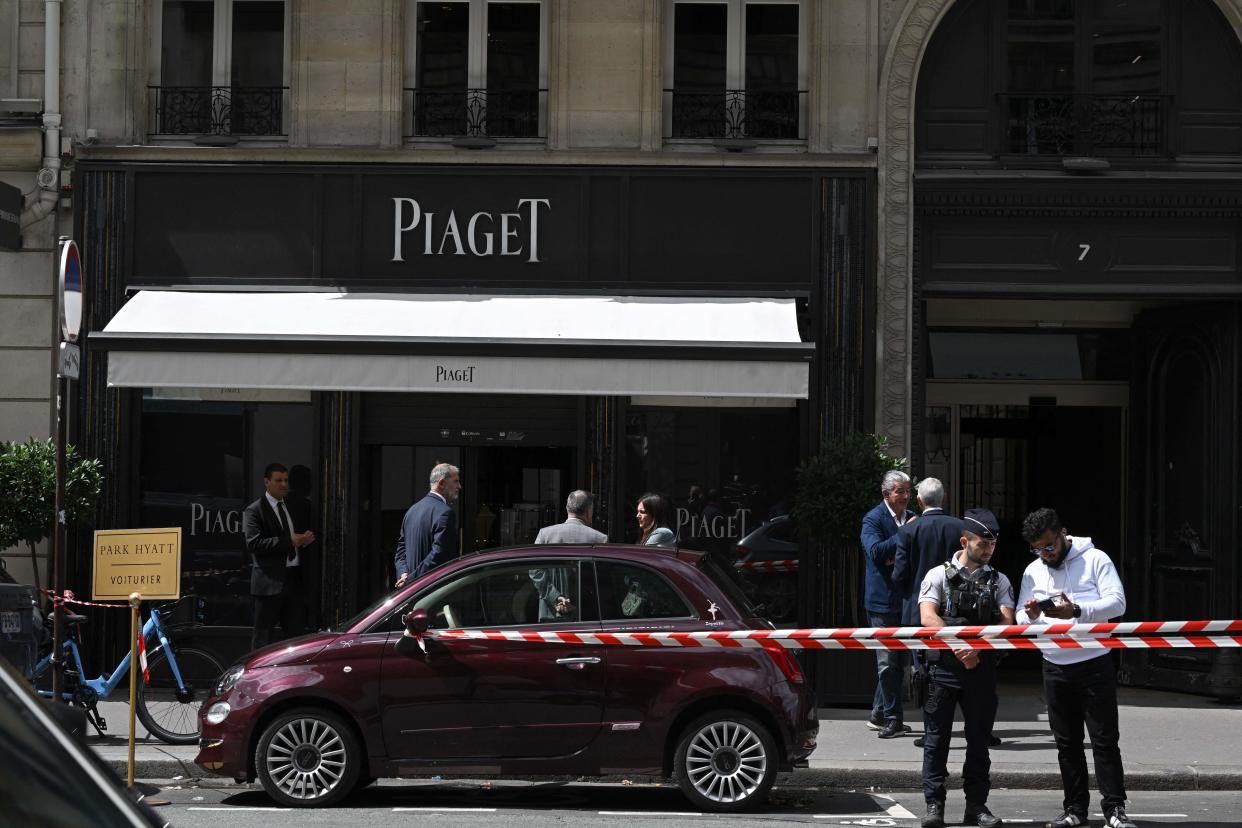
x,y
918,742
934,818
981,816
1069,819
994,741
894,729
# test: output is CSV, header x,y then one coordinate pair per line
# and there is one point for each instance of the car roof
x,y
618,551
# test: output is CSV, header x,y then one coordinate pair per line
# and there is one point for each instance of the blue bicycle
x,y
168,705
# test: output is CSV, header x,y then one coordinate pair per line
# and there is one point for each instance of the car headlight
x,y
218,712
229,679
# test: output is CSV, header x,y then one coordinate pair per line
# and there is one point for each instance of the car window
x,y
784,530
507,595
628,591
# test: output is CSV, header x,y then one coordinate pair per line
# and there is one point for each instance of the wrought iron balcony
x,y
217,110
1083,124
735,113
475,113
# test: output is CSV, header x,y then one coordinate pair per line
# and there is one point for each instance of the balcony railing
x,y
1084,124
735,113
475,113
217,110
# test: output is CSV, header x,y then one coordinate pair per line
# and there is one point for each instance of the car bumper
x,y
224,748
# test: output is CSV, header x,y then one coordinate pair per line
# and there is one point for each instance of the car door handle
x,y
577,662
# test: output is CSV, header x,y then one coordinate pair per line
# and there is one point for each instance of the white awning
x,y
588,345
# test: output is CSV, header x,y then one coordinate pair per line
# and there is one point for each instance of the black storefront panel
x,y
216,226
455,229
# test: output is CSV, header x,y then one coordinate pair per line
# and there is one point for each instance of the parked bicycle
x,y
181,678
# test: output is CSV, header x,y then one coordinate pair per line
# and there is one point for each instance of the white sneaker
x,y
1117,819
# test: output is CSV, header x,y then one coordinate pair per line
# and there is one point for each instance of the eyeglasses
x,y
1039,550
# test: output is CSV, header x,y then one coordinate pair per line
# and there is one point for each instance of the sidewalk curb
x,y
1171,779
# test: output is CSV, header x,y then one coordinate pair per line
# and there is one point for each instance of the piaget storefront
x,y
622,330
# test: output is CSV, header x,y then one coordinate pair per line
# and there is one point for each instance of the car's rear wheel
x,y
726,760
308,757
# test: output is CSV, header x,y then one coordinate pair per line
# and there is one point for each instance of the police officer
x,y
964,590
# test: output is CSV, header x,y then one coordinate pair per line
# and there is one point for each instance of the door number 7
x,y
1085,248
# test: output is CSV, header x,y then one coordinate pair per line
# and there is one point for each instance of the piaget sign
x,y
481,234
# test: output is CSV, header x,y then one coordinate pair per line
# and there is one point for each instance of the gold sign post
x,y
142,560
134,667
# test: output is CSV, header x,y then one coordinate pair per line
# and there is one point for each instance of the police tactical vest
x,y
971,601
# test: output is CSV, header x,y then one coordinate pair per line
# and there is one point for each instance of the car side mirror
x,y
416,621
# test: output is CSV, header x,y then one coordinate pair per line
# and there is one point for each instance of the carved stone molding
x,y
895,231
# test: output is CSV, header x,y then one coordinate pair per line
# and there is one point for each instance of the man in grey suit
x,y
577,527
551,584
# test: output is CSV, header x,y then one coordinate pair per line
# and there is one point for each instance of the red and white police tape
x,y
767,566
67,598
1134,635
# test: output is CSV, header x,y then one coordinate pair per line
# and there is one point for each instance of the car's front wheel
x,y
725,761
308,757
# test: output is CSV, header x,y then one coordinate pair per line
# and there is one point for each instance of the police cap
x,y
981,522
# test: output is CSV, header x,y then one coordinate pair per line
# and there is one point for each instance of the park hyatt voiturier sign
x,y
147,561
481,234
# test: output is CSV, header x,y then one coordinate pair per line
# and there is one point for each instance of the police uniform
x,y
963,598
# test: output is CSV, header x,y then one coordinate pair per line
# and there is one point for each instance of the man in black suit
x,y
276,546
922,545
429,528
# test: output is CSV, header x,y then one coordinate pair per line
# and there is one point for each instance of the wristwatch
x,y
1077,611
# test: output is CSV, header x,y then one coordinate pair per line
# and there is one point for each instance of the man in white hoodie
x,y
1072,580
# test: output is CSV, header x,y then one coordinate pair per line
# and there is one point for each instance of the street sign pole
x,y
70,296
58,542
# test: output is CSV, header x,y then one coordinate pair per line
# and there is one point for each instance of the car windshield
x,y
386,600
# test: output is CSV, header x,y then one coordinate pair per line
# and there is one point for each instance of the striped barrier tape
x,y
67,598
767,566
808,639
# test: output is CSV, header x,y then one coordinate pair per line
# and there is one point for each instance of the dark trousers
x,y
1078,694
287,609
975,692
890,671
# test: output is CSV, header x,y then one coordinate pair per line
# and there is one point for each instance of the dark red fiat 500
x,y
319,716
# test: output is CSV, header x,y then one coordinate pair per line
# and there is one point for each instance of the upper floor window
x,y
221,68
735,69
475,69
1134,81
1084,77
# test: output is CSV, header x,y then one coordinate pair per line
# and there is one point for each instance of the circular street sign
x,y
70,291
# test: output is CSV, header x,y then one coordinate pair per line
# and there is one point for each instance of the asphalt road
x,y
216,804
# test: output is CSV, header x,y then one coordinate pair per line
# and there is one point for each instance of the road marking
x,y
894,811
651,813
1152,816
232,808
426,810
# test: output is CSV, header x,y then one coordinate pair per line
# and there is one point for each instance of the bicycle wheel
x,y
168,713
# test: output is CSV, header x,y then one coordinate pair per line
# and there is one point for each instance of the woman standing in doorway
x,y
653,521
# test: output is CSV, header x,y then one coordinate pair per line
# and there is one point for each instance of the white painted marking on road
x,y
430,810
898,812
651,813
1152,816
872,815
232,808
